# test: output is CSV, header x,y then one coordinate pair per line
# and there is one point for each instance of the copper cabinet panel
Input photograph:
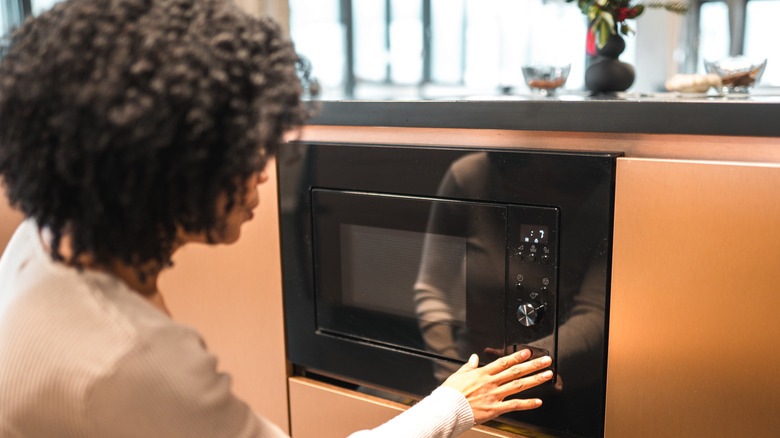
x,y
9,220
320,410
694,341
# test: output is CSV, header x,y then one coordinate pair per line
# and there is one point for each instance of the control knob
x,y
530,313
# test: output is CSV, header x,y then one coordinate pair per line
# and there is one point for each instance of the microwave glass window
x,y
385,270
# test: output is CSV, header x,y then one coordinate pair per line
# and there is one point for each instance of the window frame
x,y
737,16
23,7
17,11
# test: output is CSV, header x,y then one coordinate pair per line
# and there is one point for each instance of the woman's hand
x,y
486,388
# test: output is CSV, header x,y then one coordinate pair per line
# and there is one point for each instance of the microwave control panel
x,y
532,278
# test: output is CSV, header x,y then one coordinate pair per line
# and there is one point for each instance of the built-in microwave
x,y
400,261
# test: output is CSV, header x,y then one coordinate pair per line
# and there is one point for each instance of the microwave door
x,y
418,274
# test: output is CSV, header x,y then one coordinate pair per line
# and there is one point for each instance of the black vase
x,y
606,73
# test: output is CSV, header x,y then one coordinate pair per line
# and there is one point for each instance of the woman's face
x,y
240,212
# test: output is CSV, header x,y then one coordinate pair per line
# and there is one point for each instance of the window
x,y
722,28
714,35
13,12
762,35
11,15
450,48
434,48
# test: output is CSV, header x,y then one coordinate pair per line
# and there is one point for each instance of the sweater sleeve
x,y
168,386
443,414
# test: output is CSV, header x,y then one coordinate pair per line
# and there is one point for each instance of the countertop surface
x,y
755,115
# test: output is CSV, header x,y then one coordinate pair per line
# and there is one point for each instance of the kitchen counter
x,y
665,113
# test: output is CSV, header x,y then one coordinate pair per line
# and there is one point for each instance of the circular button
x,y
530,313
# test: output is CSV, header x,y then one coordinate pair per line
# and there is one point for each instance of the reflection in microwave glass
x,y
380,269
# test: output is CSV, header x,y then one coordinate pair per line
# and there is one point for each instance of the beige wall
x,y
9,220
279,10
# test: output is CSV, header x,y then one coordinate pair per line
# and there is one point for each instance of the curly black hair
x,y
121,120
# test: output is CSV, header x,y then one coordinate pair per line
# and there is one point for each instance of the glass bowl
x,y
545,79
738,74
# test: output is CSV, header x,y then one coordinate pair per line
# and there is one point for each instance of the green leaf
x,y
604,31
593,12
609,20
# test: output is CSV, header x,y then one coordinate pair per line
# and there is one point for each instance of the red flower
x,y
621,14
590,43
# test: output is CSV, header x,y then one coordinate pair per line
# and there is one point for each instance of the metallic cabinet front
x,y
694,340
317,410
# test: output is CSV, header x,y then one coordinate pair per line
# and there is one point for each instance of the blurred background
x,y
429,49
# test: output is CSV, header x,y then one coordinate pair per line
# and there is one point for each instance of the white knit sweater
x,y
81,355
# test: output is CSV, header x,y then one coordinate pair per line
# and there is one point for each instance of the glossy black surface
x,y
568,197
368,249
747,116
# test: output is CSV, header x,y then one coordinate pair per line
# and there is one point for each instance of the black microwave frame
x,y
413,170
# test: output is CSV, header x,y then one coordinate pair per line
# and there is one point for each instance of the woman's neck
x,y
145,285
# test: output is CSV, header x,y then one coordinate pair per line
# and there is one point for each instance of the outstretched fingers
x,y
519,370
518,404
515,377
487,388
506,362
515,386
516,365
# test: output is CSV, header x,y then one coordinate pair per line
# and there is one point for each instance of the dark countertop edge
x,y
733,117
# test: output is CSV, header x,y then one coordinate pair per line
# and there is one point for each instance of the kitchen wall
x,y
9,219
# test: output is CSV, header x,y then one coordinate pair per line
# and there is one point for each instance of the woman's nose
x,y
258,178
262,176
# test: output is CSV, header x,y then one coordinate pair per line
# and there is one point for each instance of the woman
x,y
128,129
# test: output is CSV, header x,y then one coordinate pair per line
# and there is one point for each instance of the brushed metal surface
x,y
694,341
320,410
